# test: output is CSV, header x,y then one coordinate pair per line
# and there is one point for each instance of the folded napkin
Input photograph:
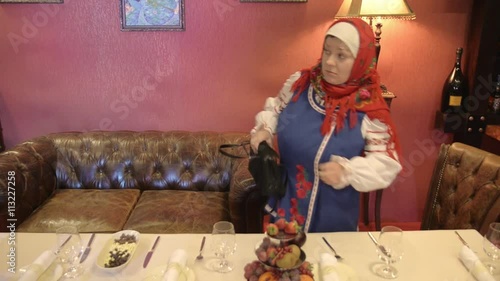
x,y
38,267
474,265
332,270
327,263
176,266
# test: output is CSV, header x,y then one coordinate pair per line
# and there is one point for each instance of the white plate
x,y
103,256
158,272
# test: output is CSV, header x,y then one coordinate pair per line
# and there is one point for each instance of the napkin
x,y
38,267
474,265
332,270
176,265
327,263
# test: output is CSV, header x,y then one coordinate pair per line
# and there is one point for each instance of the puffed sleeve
x,y
376,169
268,118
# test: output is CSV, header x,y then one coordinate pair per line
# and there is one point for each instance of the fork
x,y
337,256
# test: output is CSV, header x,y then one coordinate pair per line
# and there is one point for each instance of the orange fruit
x,y
267,276
304,277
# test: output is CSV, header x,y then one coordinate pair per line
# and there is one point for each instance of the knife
x,y
461,239
150,253
63,244
87,250
379,246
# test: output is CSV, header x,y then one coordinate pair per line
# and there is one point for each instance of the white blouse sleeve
x,y
268,118
376,169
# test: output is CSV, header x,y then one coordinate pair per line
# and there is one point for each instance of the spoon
x,y
200,255
338,257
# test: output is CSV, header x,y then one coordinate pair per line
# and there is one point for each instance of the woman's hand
x,y
331,173
260,136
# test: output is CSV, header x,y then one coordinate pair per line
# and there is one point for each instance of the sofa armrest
x,y
27,179
245,202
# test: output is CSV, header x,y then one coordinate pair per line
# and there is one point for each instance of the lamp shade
x,y
384,9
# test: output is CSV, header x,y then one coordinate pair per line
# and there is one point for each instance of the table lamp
x,y
376,9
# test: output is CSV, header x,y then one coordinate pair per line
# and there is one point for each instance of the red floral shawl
x,y
360,93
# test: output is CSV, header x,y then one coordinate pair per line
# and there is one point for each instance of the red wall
x,y
69,67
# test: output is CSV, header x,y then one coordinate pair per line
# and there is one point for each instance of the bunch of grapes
x,y
306,268
291,275
268,252
253,270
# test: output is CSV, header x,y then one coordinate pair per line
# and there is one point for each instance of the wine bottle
x,y
494,101
455,88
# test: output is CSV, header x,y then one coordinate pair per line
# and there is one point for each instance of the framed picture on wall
x,y
274,1
32,1
152,15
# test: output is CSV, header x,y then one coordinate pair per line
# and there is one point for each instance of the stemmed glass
x,y
69,250
223,245
390,251
491,244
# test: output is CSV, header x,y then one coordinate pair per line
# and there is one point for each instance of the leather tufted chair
x,y
153,182
464,191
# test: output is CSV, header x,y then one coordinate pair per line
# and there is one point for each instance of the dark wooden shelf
x,y
493,119
466,123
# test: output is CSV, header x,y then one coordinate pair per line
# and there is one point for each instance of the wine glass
x,y
491,245
390,251
223,244
69,250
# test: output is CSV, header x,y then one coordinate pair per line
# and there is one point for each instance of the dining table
x,y
428,255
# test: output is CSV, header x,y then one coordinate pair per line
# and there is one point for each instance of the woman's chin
x,y
331,80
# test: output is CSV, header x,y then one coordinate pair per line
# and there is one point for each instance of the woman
x,y
335,135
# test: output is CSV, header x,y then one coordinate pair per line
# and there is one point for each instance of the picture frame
x,y
32,1
152,15
273,1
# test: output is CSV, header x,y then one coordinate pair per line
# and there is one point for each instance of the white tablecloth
x,y
429,255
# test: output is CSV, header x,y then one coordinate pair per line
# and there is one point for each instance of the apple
x,y
271,252
272,229
281,223
291,227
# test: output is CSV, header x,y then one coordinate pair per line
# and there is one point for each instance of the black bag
x,y
264,167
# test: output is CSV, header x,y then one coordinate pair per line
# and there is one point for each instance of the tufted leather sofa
x,y
153,182
464,191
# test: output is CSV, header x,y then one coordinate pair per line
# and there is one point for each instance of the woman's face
x,y
336,61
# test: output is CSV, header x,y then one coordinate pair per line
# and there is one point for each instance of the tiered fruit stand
x,y
280,256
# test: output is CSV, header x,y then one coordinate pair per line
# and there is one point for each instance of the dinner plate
x,y
104,255
158,272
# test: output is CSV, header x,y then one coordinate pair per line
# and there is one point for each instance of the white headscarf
x,y
347,33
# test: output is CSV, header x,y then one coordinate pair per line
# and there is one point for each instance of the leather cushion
x,y
149,160
178,211
89,210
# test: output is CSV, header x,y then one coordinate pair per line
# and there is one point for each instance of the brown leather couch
x,y
152,182
464,191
